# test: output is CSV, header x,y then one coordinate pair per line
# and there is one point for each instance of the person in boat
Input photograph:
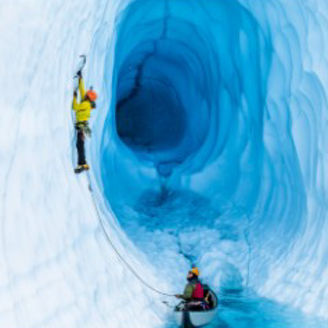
x,y
193,293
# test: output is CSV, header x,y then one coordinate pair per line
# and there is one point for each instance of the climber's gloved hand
x,y
75,93
79,74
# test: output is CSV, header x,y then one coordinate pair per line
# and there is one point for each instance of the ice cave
x,y
209,147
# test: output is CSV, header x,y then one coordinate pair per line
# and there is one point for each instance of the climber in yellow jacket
x,y
82,113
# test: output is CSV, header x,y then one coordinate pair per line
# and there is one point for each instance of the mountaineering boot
x,y
79,169
83,167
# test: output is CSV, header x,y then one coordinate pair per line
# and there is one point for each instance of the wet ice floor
x,y
169,229
239,311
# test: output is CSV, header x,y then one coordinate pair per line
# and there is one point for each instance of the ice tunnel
x,y
208,101
185,90
209,147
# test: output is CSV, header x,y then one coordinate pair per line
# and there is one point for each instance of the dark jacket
x,y
189,289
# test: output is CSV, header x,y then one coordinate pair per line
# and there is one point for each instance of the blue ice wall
x,y
186,91
190,84
217,97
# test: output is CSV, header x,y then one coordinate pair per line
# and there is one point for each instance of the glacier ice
x,y
211,122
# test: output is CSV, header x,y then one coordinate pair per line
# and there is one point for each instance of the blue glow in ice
x,y
205,106
209,147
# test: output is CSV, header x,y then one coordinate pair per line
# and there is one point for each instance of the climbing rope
x,y
121,257
100,219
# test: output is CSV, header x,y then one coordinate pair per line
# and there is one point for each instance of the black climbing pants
x,y
80,146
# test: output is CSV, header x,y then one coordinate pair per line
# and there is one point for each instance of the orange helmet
x,y
195,271
92,95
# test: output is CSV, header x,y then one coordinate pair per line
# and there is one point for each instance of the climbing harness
x,y
121,258
84,127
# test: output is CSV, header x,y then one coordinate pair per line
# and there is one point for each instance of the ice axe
x,y
83,60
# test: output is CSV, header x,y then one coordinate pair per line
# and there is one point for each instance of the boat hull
x,y
190,319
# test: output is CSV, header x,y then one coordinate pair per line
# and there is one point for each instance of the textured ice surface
x,y
57,269
241,158
250,78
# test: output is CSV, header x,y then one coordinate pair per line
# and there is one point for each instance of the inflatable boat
x,y
188,318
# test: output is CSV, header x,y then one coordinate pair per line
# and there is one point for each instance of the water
x,y
245,309
168,225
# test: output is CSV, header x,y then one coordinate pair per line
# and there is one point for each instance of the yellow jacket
x,y
83,109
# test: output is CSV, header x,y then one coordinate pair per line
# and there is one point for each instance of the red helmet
x,y
92,95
